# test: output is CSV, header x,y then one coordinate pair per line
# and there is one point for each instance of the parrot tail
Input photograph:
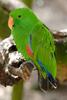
x,y
49,75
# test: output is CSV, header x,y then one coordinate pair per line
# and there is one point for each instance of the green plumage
x,y
43,47
28,29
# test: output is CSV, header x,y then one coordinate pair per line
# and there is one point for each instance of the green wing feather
x,y
43,47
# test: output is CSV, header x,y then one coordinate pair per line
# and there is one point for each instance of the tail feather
x,y
49,75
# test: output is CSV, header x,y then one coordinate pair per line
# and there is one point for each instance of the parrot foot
x,y
27,68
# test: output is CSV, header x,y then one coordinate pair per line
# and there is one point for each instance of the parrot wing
x,y
42,45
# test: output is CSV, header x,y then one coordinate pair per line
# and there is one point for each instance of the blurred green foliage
x,y
28,3
17,93
4,30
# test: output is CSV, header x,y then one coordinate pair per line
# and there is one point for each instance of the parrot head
x,y
22,17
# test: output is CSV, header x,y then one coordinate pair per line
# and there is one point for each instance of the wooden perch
x,y
60,36
13,66
8,56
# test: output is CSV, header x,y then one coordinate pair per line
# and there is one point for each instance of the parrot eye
x,y
19,16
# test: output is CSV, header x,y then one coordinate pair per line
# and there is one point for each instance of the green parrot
x,y
34,41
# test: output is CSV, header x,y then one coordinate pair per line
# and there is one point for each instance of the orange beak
x,y
10,22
